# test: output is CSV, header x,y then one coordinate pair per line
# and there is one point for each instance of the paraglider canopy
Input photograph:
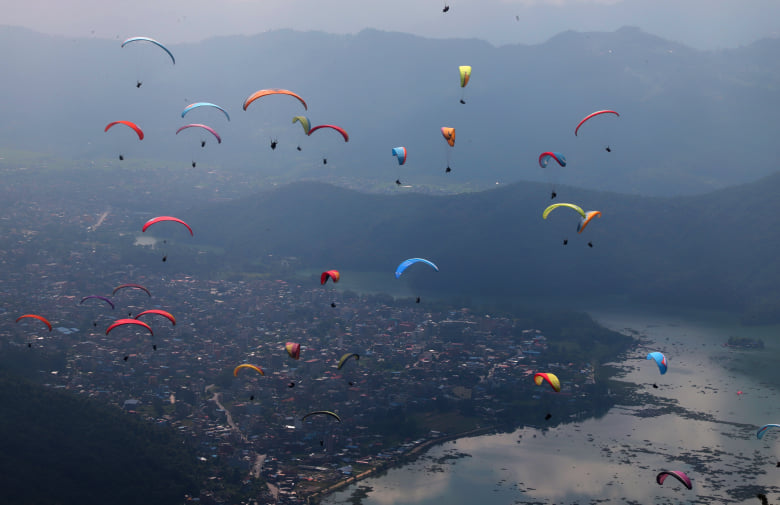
x,y
105,299
591,115
293,349
305,123
122,322
465,75
585,220
661,477
36,316
135,286
250,367
545,157
134,126
147,39
449,135
339,129
551,379
203,104
207,128
400,153
164,218
762,430
411,261
660,360
345,357
265,92
158,312
334,275
322,412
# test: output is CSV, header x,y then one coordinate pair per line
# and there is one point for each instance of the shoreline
x,y
315,497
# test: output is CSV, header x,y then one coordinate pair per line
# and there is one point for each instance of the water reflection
x,y
693,421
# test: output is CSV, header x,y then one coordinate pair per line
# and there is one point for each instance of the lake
x,y
693,421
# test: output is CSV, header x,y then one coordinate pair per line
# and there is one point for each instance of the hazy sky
x,y
705,24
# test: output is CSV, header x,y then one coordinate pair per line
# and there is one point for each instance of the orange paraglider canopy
x,y
36,316
449,135
265,92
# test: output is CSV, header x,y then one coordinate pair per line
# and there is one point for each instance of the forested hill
x,y
59,448
713,250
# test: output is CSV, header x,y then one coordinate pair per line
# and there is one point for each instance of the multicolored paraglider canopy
x,y
333,275
400,153
465,75
545,157
293,349
551,379
660,360
345,357
661,477
762,430
591,115
248,366
204,104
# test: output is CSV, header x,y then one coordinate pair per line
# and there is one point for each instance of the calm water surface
x,y
693,421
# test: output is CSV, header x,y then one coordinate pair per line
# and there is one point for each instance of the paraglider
x,y
545,157
762,430
339,129
333,275
158,312
123,322
660,360
586,216
165,218
196,105
305,123
147,39
129,124
135,286
266,92
551,379
400,154
293,349
345,357
446,8
248,366
274,142
36,316
322,412
591,115
207,128
465,75
411,261
680,476
105,299
449,135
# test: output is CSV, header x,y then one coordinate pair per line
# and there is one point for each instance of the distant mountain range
x,y
714,251
691,121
